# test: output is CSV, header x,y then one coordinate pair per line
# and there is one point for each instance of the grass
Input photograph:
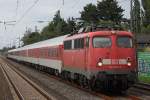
x,y
144,78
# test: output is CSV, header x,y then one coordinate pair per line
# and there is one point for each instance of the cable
x,y
75,4
63,2
17,5
59,8
27,11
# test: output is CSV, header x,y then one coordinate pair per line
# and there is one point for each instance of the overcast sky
x,y
44,10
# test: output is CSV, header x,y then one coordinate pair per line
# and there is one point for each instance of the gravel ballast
x,y
56,88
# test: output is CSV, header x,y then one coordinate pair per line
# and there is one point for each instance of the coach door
x,y
86,52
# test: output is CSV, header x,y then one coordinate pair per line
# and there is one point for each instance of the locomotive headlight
x,y
129,63
100,64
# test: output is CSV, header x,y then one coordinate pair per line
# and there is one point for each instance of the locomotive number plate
x,y
114,61
118,61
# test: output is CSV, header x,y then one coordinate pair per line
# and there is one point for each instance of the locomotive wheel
x,y
92,84
75,78
95,84
83,81
65,75
56,72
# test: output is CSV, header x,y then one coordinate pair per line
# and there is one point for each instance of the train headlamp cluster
x,y
129,63
100,63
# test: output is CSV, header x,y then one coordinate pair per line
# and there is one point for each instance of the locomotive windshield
x,y
124,42
101,42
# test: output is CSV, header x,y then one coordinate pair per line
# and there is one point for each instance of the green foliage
x,y
136,17
106,23
146,6
109,10
89,14
57,18
58,27
146,29
31,38
144,78
105,10
71,25
54,28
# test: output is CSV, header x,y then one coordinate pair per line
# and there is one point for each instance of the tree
x,y
60,24
56,27
146,16
109,10
57,18
89,14
146,6
136,17
71,25
146,29
31,38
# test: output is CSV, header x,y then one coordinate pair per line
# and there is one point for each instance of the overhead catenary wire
x,y
17,6
63,2
27,11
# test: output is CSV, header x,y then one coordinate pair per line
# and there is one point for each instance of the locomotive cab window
x,y
101,42
124,42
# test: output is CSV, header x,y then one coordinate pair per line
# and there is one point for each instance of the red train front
x,y
102,59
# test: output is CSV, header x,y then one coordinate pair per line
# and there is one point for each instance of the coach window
x,y
68,45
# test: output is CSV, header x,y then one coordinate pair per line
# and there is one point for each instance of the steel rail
x,y
40,90
142,86
101,95
13,85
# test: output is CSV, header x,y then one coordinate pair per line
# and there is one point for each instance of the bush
x,y
146,30
144,78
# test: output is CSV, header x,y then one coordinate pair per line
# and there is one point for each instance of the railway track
x,y
22,87
101,95
142,86
140,89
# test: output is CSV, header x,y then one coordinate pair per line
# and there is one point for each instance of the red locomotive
x,y
98,59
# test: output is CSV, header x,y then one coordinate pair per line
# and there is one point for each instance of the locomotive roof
x,y
96,33
49,42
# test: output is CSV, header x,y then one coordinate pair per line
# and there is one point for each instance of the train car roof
x,y
50,42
